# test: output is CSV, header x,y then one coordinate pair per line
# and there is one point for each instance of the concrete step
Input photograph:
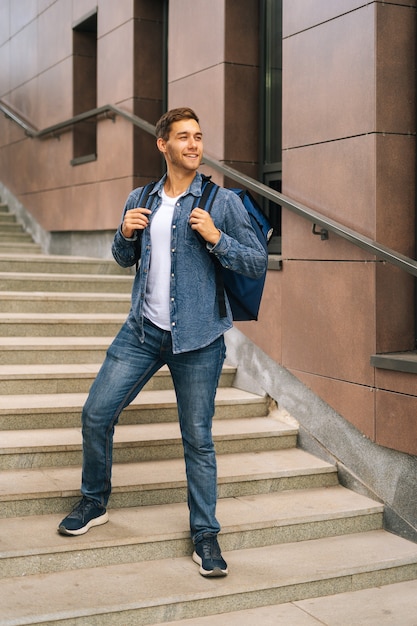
x,y
46,302
9,225
53,350
60,264
96,283
152,591
31,545
17,237
41,491
62,447
63,410
286,521
47,379
60,324
10,247
6,218
388,605
74,378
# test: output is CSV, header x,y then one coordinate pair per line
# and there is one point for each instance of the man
x,y
174,320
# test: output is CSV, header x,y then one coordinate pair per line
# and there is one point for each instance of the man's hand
x,y
134,219
201,221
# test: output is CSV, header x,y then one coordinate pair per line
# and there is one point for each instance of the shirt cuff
x,y
218,247
134,238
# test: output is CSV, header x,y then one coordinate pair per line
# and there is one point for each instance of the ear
x,y
161,145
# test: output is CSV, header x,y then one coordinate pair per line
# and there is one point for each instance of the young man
x,y
174,320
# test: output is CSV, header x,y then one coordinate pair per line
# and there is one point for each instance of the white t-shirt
x,y
156,304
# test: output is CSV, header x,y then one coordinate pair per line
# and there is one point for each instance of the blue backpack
x,y
244,293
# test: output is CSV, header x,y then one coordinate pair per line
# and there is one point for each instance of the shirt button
x,y
172,249
173,324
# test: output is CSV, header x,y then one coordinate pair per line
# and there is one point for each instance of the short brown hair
x,y
163,126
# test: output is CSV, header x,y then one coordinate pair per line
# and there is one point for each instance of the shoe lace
x,y
211,548
82,507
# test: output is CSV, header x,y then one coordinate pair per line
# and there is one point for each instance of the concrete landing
x,y
391,605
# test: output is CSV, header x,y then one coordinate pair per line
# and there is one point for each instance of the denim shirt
x,y
194,310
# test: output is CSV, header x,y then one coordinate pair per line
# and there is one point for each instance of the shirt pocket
x,y
192,239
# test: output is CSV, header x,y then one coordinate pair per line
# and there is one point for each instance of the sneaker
x,y
83,516
208,556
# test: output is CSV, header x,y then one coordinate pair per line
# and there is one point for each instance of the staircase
x,y
290,532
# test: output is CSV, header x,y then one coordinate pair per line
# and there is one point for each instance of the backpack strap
x,y
205,202
209,192
144,196
143,202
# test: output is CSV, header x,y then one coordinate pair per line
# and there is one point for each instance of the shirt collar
x,y
194,189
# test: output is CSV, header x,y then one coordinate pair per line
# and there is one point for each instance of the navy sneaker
x,y
83,516
208,556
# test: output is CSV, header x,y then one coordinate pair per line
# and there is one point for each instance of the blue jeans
x,y
129,364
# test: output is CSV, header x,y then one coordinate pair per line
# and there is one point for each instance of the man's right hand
x,y
134,219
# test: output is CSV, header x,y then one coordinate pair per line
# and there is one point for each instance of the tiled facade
x,y
348,152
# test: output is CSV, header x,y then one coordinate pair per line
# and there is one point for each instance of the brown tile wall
x,y
21,13
116,65
205,93
303,14
365,182
266,332
348,112
394,306
328,78
355,402
195,27
324,332
241,128
396,423
36,79
242,84
221,81
198,80
396,407
148,78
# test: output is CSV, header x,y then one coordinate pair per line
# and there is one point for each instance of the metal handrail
x,y
17,119
405,263
56,129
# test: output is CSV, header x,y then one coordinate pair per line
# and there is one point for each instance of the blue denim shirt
x,y
194,310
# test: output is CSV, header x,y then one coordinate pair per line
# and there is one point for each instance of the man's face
x,y
184,147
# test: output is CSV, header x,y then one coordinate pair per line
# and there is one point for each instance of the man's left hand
x,y
202,222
